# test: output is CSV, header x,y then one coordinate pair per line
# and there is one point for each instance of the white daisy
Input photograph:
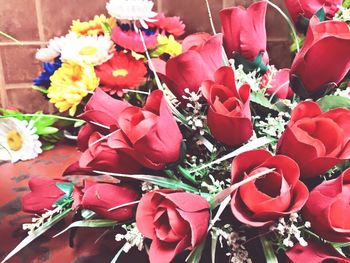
x,y
132,10
93,50
18,140
53,49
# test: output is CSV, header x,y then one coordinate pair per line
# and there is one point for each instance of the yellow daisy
x,y
93,27
167,45
70,84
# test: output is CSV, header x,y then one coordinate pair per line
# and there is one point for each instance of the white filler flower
x,y
132,10
18,140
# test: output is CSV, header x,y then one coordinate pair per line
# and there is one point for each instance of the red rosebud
x,y
278,193
44,194
174,220
103,110
229,117
316,140
307,8
324,57
192,67
100,197
100,156
276,83
315,252
327,208
122,71
244,31
152,132
195,41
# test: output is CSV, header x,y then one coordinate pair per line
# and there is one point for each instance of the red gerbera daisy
x,y
171,24
131,40
122,71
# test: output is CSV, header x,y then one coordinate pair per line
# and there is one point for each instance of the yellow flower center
x,y
14,140
88,51
120,72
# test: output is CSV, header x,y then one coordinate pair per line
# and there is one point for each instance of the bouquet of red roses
x,y
200,144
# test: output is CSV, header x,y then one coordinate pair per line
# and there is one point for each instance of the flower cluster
x,y
207,137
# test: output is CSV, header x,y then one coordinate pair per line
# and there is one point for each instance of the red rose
x,y
315,252
192,67
122,71
100,197
327,208
307,8
174,220
278,193
276,83
229,117
324,57
152,131
244,31
44,194
316,140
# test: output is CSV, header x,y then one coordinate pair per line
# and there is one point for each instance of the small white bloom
x,y
18,140
132,10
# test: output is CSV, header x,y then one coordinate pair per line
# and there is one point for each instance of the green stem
x,y
10,37
210,17
186,174
268,251
44,115
290,23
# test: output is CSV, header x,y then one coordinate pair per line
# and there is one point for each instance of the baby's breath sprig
x,y
289,231
133,238
235,242
196,118
46,217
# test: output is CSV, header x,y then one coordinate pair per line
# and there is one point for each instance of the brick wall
x,y
34,22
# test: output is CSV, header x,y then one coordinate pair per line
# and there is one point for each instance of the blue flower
x,y
49,68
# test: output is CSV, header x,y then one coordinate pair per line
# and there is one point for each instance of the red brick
x,y
19,63
27,100
58,15
18,19
194,13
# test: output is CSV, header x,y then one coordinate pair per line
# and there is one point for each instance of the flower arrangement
x,y
210,147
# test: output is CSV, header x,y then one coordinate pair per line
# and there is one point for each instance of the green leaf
x,y
38,232
346,3
196,253
259,98
249,66
107,30
46,130
79,123
47,146
321,14
330,102
89,223
160,181
67,188
268,251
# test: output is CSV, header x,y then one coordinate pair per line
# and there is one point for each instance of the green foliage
x,y
330,102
